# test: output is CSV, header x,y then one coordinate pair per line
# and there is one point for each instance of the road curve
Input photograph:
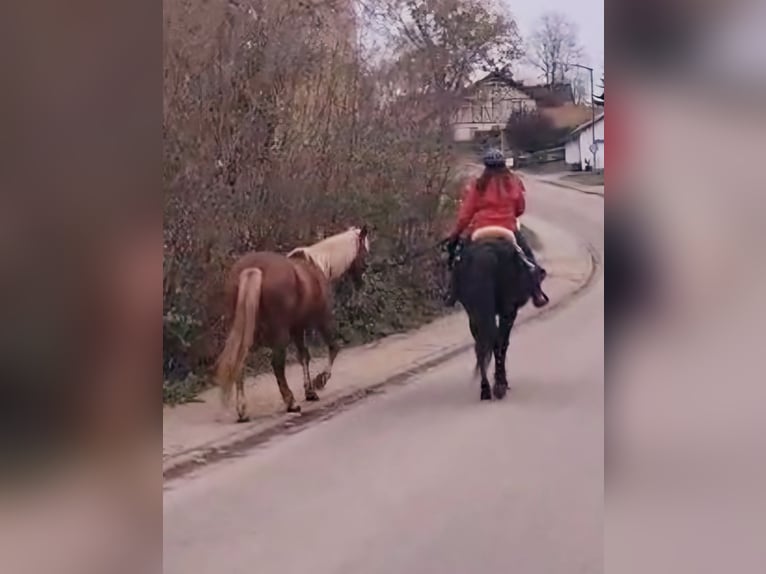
x,y
425,478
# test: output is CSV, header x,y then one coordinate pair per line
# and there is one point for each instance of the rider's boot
x,y
537,272
539,298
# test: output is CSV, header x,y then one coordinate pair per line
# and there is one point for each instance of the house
x,y
492,101
487,106
578,147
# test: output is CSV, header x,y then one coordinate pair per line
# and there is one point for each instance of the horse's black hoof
x,y
294,409
486,393
499,390
320,381
312,396
243,418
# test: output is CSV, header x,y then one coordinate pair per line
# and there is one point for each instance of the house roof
x,y
586,125
499,77
545,96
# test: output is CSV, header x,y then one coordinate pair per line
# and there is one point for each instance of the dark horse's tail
x,y
232,360
479,298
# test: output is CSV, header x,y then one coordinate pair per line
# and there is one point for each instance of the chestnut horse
x,y
274,299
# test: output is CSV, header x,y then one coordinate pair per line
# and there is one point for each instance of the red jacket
x,y
500,205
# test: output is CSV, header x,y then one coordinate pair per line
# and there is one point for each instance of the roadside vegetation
x,y
285,121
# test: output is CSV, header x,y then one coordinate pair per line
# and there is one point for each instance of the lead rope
x,y
400,261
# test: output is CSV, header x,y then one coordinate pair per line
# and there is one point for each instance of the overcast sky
x,y
587,14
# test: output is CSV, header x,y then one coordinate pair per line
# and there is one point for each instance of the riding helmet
x,y
493,157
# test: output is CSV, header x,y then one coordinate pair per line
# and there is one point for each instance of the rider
x,y
495,199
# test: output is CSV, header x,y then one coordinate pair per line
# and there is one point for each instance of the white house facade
x,y
577,148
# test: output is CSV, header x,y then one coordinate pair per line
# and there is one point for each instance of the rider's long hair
x,y
502,174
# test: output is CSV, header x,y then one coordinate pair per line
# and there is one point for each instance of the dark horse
x,y
492,285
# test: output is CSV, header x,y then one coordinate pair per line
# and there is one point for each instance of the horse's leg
x,y
304,357
278,360
327,332
501,349
483,353
241,403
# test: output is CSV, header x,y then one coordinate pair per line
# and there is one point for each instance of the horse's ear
x,y
364,238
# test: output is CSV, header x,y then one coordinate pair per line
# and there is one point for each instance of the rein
x,y
395,262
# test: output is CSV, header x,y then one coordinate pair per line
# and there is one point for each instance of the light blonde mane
x,y
333,255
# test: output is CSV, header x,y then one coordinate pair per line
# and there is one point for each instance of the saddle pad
x,y
494,232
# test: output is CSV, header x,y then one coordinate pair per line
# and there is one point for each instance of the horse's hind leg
x,y
327,332
501,351
482,361
241,403
278,360
304,357
483,353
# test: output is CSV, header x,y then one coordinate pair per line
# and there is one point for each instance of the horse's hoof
x,y
312,396
243,418
294,409
499,390
320,381
486,393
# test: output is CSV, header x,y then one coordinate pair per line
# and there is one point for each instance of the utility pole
x,y
593,145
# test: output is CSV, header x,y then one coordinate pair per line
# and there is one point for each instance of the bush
x,y
533,132
276,134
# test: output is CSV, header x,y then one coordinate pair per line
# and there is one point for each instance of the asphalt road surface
x,y
425,479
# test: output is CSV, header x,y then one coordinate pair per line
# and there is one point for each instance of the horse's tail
x,y
485,338
481,301
231,363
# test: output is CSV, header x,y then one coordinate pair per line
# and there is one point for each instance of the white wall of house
x,y
465,132
469,131
577,148
572,152
494,108
489,108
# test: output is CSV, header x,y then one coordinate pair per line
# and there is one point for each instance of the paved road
x,y
425,478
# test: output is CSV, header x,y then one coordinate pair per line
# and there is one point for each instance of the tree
x,y
451,39
554,47
580,84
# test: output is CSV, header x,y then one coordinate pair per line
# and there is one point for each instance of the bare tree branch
x,y
555,46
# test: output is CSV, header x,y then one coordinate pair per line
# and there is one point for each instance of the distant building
x,y
577,147
492,101
488,105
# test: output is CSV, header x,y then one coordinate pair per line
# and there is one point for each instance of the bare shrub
x,y
276,133
533,132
